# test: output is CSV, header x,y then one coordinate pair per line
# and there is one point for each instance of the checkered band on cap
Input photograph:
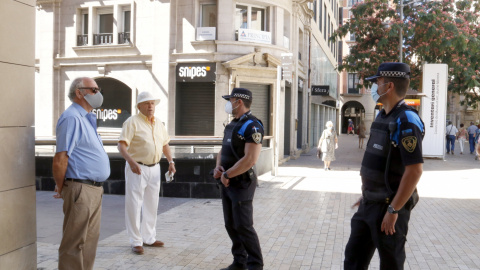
x,y
399,74
239,95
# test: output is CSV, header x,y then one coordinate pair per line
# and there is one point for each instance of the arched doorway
x,y
117,103
352,110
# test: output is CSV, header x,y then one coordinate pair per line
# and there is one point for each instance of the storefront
x,y
195,99
117,103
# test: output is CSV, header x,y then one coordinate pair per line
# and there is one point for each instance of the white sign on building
x,y
206,33
251,35
434,104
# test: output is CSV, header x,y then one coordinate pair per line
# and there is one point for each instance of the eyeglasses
x,y
94,89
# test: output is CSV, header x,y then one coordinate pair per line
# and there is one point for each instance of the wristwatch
x,y
225,175
171,162
392,210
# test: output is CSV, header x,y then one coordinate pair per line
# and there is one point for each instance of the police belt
x,y
370,197
378,197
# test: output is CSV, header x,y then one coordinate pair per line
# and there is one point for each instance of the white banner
x,y
434,105
254,36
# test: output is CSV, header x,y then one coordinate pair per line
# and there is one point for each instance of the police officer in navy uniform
x,y
242,143
391,168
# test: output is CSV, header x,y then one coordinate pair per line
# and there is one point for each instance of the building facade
x,y
189,53
324,81
356,104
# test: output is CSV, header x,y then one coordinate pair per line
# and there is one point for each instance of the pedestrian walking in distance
x,y
327,143
472,130
80,167
461,137
361,134
242,143
451,132
351,127
391,168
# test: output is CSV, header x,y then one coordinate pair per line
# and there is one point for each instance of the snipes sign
x,y
196,72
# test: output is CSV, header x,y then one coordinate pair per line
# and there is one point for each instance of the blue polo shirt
x,y
77,135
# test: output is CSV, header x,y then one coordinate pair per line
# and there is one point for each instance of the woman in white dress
x,y
327,144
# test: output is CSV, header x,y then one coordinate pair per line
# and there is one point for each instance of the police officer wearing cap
x,y
242,143
391,168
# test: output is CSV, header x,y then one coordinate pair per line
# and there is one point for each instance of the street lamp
x,y
400,43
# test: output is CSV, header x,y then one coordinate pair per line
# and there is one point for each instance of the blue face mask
x,y
374,92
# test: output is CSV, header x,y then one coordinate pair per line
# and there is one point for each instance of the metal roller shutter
x,y
195,109
261,103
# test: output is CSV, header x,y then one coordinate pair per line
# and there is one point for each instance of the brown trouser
x,y
82,206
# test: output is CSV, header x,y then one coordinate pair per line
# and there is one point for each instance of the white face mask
x,y
374,92
94,100
229,108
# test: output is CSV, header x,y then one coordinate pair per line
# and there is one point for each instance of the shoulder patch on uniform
x,y
257,137
409,143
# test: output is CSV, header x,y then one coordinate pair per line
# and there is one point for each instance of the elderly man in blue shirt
x,y
80,166
472,129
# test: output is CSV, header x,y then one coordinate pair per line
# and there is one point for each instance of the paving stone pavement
x,y
302,217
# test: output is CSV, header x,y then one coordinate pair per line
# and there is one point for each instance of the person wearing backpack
x,y
451,131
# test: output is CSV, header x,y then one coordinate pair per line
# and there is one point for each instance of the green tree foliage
x,y
445,31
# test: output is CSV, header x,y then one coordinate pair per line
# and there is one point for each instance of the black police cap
x,y
392,70
239,93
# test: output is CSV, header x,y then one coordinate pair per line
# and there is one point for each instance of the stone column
x,y
17,157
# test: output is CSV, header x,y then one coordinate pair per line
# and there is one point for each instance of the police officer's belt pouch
x,y
375,197
412,201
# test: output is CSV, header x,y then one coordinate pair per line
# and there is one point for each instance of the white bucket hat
x,y
147,96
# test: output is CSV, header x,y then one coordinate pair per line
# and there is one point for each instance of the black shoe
x,y
235,266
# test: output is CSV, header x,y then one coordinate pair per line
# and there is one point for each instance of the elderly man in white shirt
x,y
451,131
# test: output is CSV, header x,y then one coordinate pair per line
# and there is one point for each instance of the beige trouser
x,y
82,206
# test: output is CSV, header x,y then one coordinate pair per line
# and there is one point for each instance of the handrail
x,y
173,140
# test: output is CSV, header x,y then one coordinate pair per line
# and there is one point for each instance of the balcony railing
x,y
124,38
82,40
101,39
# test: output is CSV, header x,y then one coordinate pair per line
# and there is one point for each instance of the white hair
x,y
329,124
77,83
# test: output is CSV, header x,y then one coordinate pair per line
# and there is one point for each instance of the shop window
x,y
352,83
